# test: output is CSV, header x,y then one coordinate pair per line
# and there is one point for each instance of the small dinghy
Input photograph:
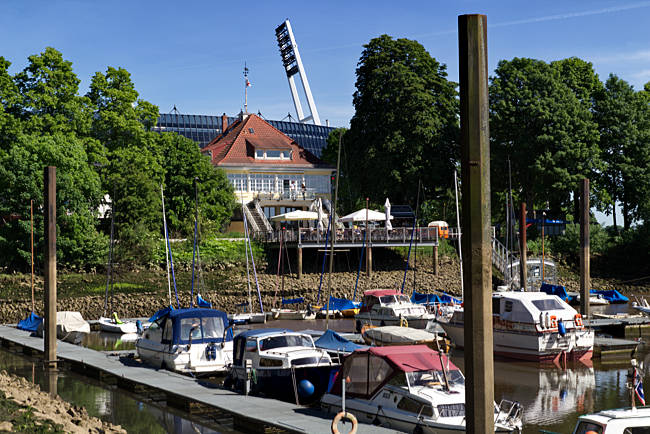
x,y
293,314
70,327
115,325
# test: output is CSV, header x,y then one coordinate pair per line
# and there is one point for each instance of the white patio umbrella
x,y
319,211
389,226
360,216
295,216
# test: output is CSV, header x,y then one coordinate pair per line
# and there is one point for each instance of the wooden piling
x,y
584,249
523,249
299,263
476,241
436,268
49,321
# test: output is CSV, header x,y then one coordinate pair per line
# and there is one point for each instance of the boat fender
x,y
553,322
578,321
547,321
561,328
541,319
344,415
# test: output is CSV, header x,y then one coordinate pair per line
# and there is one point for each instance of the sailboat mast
x,y
109,271
196,222
460,249
169,283
246,245
31,219
333,211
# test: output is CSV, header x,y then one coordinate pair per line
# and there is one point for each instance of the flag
x,y
638,386
248,83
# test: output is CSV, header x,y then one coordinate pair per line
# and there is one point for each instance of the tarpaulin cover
x,y
421,298
30,323
201,302
381,292
292,300
611,295
334,342
410,358
558,290
448,299
160,313
341,304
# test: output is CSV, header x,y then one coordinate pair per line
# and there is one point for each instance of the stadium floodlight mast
x,y
293,65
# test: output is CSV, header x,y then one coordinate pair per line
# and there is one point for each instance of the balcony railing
x,y
309,194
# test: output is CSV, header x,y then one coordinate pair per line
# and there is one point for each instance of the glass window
x,y
414,406
585,427
508,306
451,410
251,345
259,153
168,333
548,304
274,154
190,326
357,372
379,370
213,327
285,341
637,430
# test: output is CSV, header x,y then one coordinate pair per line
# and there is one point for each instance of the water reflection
x,y
109,404
102,341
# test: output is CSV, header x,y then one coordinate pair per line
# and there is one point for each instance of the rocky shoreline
x,y
228,288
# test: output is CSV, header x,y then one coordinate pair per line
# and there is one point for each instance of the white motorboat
x,y
70,327
196,341
287,364
387,307
292,314
617,421
531,326
115,325
642,307
409,388
247,318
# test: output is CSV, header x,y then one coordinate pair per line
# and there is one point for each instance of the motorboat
x,y
247,318
617,421
642,306
531,326
408,388
286,365
384,307
394,335
70,327
293,314
115,325
195,341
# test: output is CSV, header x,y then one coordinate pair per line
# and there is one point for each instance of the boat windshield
x,y
435,378
387,299
285,341
402,299
202,328
548,304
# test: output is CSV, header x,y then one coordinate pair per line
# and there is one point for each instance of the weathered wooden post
x,y
436,267
368,241
299,262
523,250
49,322
476,241
584,249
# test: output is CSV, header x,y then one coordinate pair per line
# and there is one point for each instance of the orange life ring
x,y
578,321
553,322
341,415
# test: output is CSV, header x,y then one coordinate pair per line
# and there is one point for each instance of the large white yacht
x,y
196,341
409,388
531,326
387,307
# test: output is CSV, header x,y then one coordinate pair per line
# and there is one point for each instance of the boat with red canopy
x,y
409,388
387,307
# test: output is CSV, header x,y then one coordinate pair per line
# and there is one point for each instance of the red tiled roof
x,y
236,146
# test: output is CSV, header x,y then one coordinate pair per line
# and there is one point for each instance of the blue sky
x,y
191,54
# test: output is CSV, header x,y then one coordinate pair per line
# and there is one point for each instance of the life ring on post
x,y
341,415
578,321
553,322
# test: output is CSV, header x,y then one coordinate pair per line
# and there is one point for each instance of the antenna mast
x,y
293,65
246,86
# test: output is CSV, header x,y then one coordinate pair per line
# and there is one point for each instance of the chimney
x,y
224,122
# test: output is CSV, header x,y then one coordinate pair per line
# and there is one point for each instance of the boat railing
x,y
398,236
513,413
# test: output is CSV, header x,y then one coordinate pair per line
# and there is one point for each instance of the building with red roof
x,y
270,172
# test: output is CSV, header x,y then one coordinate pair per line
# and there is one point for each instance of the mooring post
x,y
49,181
523,249
476,241
299,263
584,249
435,261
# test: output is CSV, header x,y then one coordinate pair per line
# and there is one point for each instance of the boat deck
x,y
250,413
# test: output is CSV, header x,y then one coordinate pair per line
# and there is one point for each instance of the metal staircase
x,y
256,217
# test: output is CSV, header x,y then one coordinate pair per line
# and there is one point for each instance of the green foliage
x,y
405,125
567,245
540,125
213,251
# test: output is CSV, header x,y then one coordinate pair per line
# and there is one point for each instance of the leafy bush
x,y
213,251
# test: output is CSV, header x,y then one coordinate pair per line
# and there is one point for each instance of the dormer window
x,y
252,131
272,154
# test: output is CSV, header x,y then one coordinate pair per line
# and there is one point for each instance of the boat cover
x,y
292,300
611,295
558,290
330,340
399,335
421,298
448,299
381,292
30,323
409,358
68,322
341,304
201,302
159,314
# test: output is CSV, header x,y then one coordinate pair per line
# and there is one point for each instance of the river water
x,y
552,397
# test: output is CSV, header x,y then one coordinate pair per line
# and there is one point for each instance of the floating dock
x,y
249,413
623,326
613,348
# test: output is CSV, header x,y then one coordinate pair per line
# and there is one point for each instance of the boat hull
x,y
380,321
290,314
278,383
532,346
179,359
107,325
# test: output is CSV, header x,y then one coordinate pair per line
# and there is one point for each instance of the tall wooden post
x,y
476,226
523,249
436,269
49,322
299,263
368,250
584,249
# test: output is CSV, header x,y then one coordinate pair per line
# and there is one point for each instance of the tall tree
x,y
405,125
9,98
539,123
619,113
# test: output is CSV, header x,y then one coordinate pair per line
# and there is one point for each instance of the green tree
x,y
540,125
78,198
405,126
623,126
49,101
9,98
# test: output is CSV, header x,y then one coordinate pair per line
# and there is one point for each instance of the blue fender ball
x,y
305,388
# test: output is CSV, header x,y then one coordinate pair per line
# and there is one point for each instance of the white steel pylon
x,y
293,65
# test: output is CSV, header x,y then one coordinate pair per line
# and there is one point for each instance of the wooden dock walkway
x,y
621,326
250,413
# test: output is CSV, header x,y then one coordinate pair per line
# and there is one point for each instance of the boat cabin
x,y
533,307
257,344
189,326
379,298
617,421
